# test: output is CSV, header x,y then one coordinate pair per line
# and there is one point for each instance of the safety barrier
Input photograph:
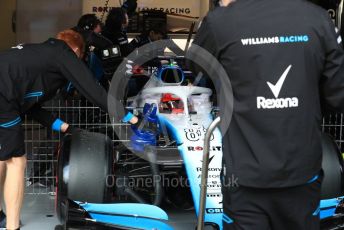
x,y
333,124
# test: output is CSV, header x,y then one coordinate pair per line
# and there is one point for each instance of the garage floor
x,y
38,213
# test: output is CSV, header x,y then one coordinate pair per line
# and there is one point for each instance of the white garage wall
x,y
38,20
191,8
7,37
181,13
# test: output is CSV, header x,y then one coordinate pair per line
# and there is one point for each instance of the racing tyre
x,y
84,164
332,165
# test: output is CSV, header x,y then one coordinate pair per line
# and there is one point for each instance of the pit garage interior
x,y
23,21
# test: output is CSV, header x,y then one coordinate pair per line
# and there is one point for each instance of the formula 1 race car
x,y
105,185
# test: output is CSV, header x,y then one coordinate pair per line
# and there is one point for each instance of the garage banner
x,y
189,8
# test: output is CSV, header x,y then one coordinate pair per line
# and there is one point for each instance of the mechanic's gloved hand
x,y
148,119
144,128
59,126
130,118
147,126
149,113
64,127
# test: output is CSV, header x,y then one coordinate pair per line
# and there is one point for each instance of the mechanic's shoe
x,y
2,220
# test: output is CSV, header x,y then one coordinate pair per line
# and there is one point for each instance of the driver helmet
x,y
171,104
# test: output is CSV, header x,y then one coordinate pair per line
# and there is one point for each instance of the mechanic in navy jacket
x,y
31,74
116,24
155,33
281,57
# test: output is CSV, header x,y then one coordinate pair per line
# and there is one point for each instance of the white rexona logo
x,y
278,103
276,89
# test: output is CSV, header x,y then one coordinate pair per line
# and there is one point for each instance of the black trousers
x,y
294,208
11,132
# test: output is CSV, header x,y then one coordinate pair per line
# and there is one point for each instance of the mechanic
x,y
156,32
89,26
32,74
280,56
90,22
116,24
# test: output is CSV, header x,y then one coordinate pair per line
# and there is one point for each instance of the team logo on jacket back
x,y
275,40
278,103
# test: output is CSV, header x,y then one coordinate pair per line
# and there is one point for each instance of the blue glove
x,y
56,126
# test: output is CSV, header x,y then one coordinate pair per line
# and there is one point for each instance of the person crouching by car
x,y
31,74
